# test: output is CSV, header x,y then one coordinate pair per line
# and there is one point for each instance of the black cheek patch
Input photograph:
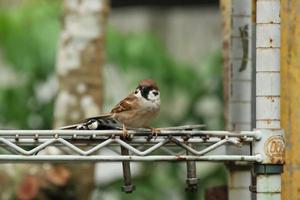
x,y
145,91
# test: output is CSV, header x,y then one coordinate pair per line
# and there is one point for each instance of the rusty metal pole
x,y
271,147
191,180
128,187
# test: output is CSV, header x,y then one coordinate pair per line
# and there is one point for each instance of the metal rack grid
x,y
86,145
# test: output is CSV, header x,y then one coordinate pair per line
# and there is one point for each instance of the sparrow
x,y
137,110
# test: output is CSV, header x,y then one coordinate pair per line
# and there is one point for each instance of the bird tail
x,y
101,122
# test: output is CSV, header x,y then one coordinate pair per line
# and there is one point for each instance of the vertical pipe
x,y
127,187
191,179
268,183
240,95
253,92
240,66
268,64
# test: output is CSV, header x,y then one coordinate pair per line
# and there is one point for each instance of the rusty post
x,y
128,187
191,180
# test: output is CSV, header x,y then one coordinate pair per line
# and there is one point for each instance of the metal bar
x,y
122,143
95,133
127,187
131,158
134,141
206,150
191,179
139,146
138,152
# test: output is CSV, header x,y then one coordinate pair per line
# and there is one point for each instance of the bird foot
x,y
125,134
154,132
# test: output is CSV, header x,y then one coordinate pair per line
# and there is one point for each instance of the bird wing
x,y
103,116
125,105
101,122
105,121
70,127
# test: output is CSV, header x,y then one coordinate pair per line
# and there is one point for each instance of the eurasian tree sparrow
x,y
134,111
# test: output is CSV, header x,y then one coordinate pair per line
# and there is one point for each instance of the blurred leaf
x,y
28,37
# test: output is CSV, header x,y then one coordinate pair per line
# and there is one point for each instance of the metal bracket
x,y
267,169
271,147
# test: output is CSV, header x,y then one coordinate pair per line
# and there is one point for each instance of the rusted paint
x,y
270,98
178,157
274,148
253,16
290,109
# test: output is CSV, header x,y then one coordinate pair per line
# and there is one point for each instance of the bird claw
x,y
154,132
125,134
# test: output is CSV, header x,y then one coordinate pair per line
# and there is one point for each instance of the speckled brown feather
x,y
125,105
132,111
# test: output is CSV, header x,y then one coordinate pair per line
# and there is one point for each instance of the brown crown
x,y
148,83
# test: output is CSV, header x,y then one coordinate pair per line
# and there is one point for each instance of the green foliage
x,y
28,37
144,52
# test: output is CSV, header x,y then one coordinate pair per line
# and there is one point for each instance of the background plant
x,y
28,39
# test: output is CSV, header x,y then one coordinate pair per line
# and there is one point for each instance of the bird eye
x,y
136,92
155,93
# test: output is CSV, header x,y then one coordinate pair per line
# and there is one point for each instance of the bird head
x,y
148,89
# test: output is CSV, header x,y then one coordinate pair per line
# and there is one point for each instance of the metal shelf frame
x,y
86,145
